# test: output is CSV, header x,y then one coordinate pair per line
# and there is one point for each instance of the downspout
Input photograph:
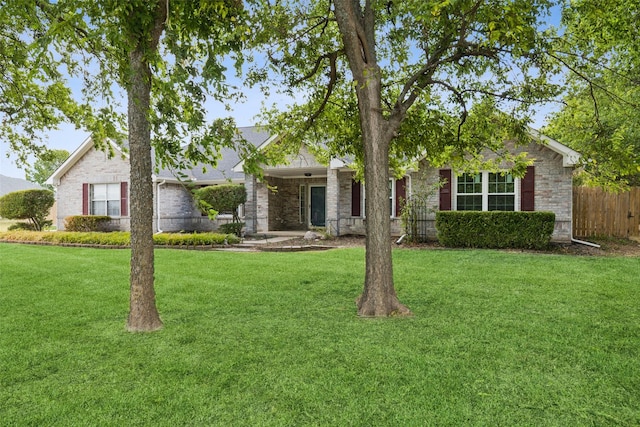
x,y
582,242
164,181
338,203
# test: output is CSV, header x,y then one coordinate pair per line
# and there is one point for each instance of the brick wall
x,y
356,224
178,211
92,168
284,204
553,187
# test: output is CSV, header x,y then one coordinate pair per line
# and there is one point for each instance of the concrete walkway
x,y
261,239
263,242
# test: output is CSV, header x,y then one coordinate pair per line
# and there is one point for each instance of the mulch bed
x,y
608,246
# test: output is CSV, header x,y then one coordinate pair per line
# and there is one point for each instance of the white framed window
x,y
393,199
485,191
105,199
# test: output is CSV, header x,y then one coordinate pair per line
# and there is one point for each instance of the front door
x,y
318,205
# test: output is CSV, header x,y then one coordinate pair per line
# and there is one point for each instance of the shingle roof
x,y
229,158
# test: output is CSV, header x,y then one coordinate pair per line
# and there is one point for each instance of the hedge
x,y
86,223
495,229
118,238
232,228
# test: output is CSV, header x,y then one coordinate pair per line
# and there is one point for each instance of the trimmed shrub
x,y
118,238
33,205
224,198
196,239
232,228
86,223
21,226
495,229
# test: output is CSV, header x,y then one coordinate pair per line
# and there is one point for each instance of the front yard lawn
x,y
256,339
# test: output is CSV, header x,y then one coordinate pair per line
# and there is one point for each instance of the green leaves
x,y
44,166
224,198
438,61
601,106
33,205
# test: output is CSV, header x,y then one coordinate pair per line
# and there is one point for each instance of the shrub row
x,y
495,229
118,238
196,239
86,223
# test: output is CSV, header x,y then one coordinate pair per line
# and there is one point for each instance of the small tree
x,y
222,199
416,208
45,165
33,205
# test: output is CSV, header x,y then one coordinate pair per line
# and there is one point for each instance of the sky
x,y
69,138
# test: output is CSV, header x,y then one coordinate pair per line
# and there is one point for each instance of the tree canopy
x,y
393,80
34,96
436,59
167,57
601,107
46,163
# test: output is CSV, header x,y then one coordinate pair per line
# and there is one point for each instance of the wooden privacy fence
x,y
600,213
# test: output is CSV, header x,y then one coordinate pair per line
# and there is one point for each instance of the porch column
x,y
333,196
250,207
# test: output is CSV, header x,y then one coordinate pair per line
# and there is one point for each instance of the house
x,y
310,193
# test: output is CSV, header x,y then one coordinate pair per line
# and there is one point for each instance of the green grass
x,y
273,339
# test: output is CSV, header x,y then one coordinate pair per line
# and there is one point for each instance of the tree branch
x,y
333,77
590,81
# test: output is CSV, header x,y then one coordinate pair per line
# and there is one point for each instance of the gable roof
x,y
570,157
201,172
229,157
79,152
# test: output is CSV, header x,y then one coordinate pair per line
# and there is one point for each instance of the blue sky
x,y
69,138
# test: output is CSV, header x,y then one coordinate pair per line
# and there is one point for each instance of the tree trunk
x,y
357,29
379,296
143,314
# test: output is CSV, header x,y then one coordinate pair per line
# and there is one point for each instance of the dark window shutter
x,y
124,198
527,190
401,194
85,199
356,198
445,189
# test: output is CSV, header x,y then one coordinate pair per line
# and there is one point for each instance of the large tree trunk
x,y
379,296
143,314
357,28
